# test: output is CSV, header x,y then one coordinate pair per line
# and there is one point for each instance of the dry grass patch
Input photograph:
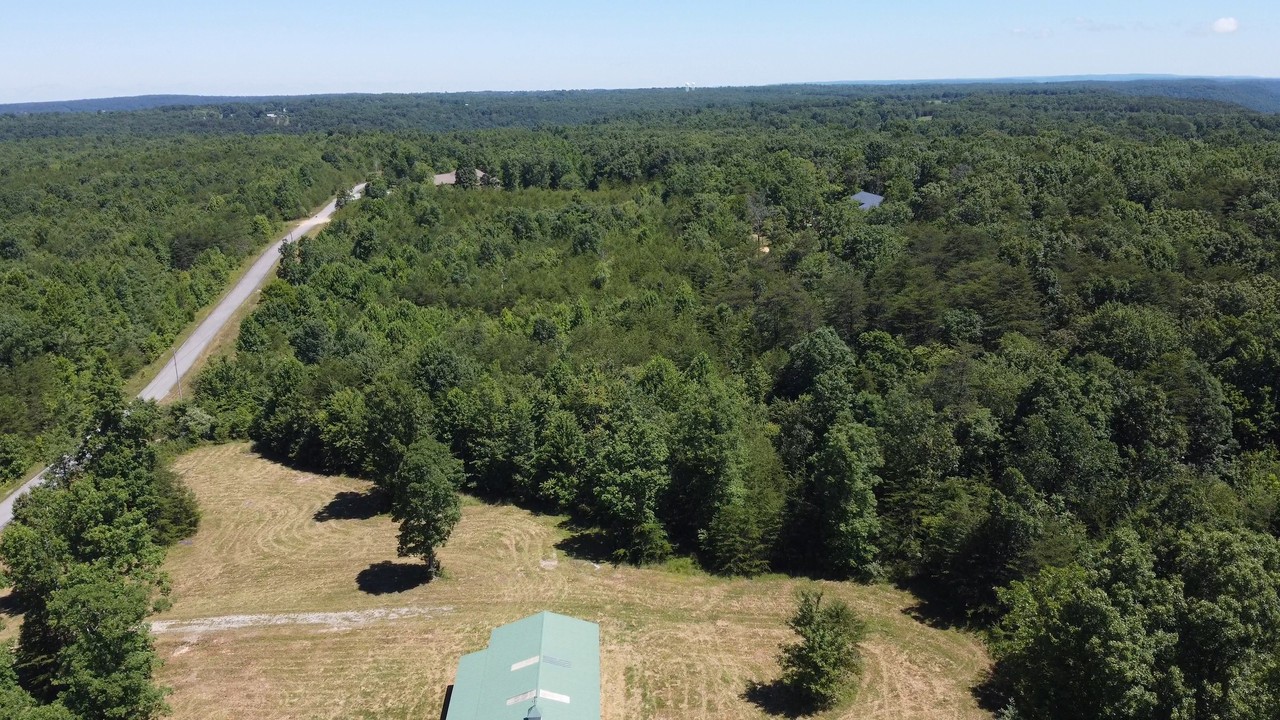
x,y
326,622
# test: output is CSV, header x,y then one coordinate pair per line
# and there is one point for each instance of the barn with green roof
x,y
544,666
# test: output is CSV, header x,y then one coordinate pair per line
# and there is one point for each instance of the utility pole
x,y
176,375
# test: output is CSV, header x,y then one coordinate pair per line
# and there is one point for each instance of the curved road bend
x,y
185,356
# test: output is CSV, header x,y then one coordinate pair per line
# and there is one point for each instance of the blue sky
x,y
63,49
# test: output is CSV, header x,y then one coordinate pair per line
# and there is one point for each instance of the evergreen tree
x,y
819,668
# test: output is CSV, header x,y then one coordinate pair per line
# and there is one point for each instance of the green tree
x,y
83,558
734,542
343,198
1132,335
396,416
343,424
466,177
105,667
17,703
424,500
440,367
263,228
628,471
820,667
820,352
1229,626
562,451
1190,630
842,489
707,453
1068,649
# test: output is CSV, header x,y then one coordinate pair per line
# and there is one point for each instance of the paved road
x,y
181,360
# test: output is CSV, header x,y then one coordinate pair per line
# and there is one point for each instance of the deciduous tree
x,y
424,500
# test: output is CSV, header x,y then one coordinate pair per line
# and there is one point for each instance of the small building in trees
x,y
867,201
544,666
451,178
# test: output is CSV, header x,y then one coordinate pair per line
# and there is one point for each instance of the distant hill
x,y
1260,94
1254,103
120,104
1255,94
1040,79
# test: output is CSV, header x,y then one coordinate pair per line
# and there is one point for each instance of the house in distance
x,y
451,178
867,201
544,667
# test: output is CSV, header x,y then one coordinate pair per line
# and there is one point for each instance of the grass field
x,y
291,603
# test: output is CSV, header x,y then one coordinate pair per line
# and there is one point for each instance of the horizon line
x,y
1010,79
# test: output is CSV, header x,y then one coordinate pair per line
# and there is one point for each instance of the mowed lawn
x,y
290,603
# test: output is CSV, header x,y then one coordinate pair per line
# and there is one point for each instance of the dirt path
x,y
281,611
332,620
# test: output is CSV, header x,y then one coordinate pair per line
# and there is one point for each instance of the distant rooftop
x,y
548,660
451,178
867,200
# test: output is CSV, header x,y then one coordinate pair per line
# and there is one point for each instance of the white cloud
x,y
1037,33
1226,25
1092,25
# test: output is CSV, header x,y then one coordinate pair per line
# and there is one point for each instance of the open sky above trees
x,y
75,48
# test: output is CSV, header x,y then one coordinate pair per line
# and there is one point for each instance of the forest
x,y
1037,386
109,248
451,112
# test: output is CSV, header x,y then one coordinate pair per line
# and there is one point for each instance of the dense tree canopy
x,y
83,556
1037,383
1050,345
108,248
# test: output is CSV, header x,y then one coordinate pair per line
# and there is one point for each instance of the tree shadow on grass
x,y
9,606
382,578
774,698
991,694
936,610
588,544
354,506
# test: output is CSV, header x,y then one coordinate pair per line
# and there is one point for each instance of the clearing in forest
x,y
291,602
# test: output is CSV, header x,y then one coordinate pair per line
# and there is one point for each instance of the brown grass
x,y
674,645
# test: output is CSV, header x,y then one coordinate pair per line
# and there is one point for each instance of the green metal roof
x,y
548,659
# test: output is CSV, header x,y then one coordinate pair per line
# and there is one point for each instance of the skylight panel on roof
x,y
525,663
548,695
522,697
